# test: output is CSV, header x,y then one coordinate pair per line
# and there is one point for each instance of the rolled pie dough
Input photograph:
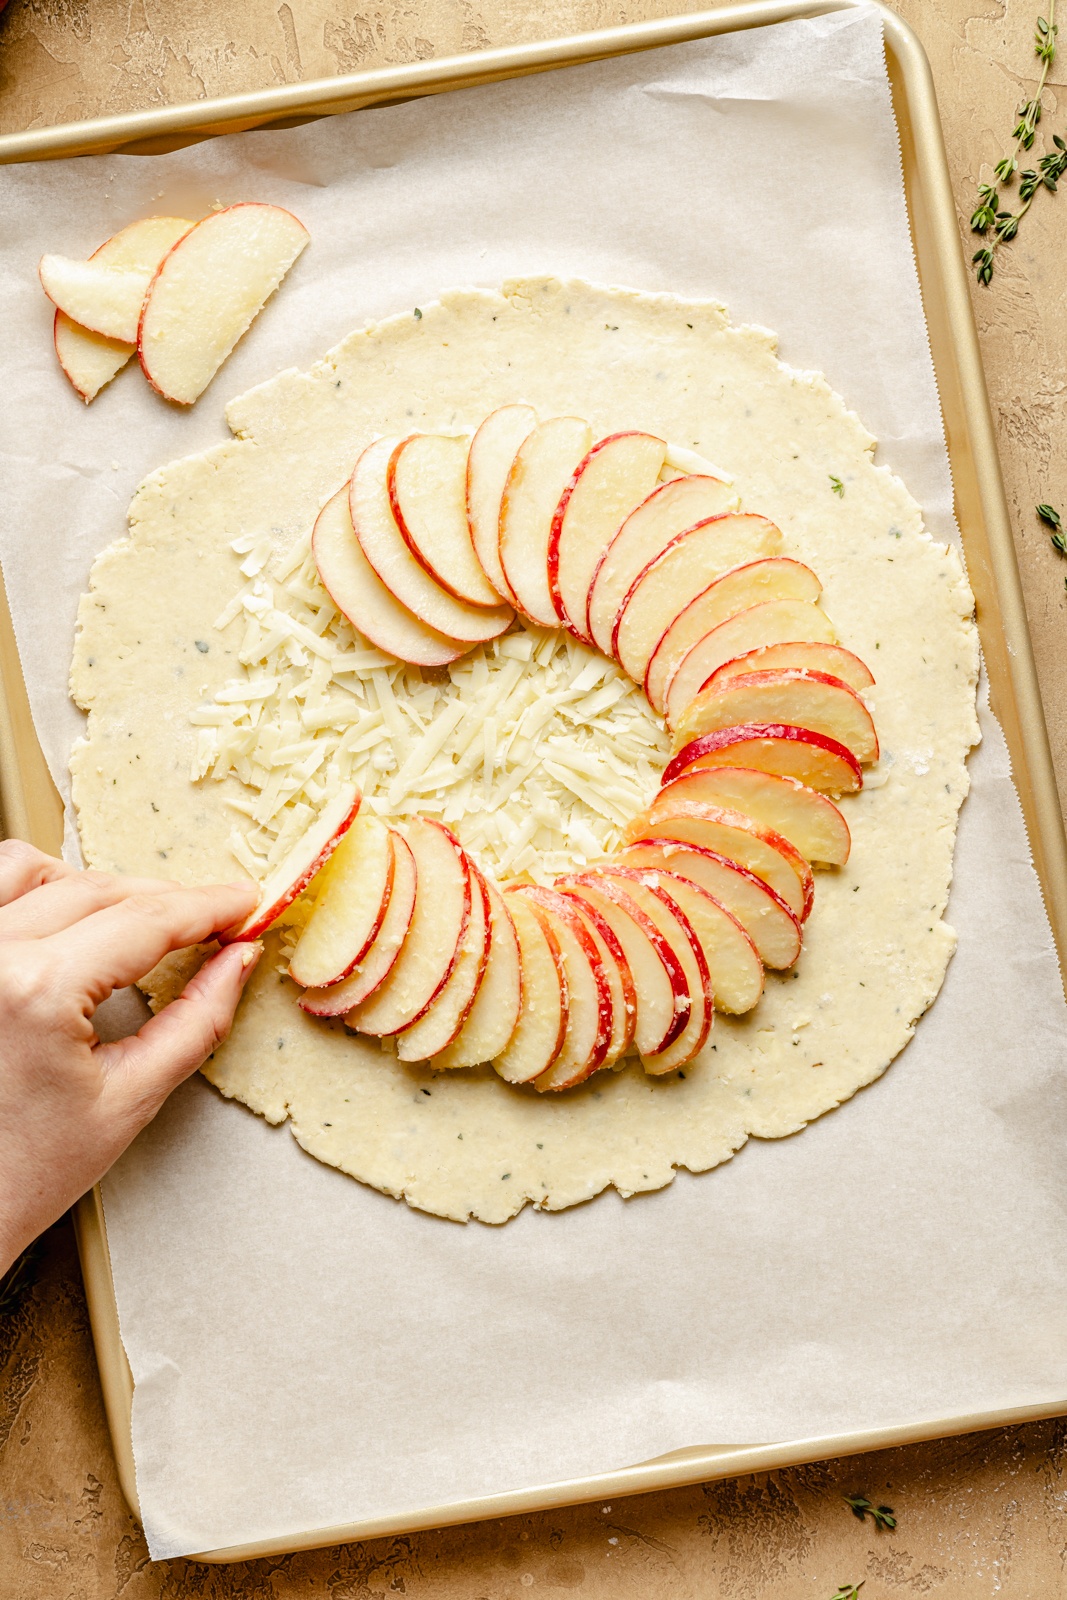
x,y
466,1144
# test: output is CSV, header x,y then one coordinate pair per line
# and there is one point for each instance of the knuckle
x,y
19,853
27,981
153,907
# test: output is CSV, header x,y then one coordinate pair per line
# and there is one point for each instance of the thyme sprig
x,y
990,214
849,1591
1052,519
861,1507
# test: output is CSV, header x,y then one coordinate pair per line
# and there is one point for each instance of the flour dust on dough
x,y
466,1144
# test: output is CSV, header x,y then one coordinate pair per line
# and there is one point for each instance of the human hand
x,y
69,1105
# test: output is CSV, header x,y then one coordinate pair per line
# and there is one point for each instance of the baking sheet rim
x,y
29,806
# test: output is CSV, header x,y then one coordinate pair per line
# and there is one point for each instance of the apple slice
x,y
773,622
810,821
493,449
808,657
542,1025
754,583
383,545
739,838
427,479
439,1026
208,290
434,939
494,1016
90,360
620,979
811,758
103,299
543,467
802,699
295,871
664,1003
765,917
734,965
358,592
589,1018
350,906
678,574
649,529
341,998
618,473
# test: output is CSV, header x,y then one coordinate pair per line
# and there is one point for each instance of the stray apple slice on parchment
x,y
106,300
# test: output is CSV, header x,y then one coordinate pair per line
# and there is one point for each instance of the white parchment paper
x,y
307,1352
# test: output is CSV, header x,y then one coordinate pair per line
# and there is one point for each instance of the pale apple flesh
x,y
106,300
340,998
773,622
307,857
620,979
617,474
543,466
812,700
809,820
494,1016
440,1024
427,480
434,939
542,1026
732,834
831,659
811,758
751,584
208,290
649,529
351,899
493,450
589,1007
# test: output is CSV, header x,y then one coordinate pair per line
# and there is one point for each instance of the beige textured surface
x,y
979,1516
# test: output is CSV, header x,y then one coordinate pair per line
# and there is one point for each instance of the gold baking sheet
x,y
30,807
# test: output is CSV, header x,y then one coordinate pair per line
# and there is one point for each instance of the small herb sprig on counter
x,y
861,1507
989,213
849,1591
1052,519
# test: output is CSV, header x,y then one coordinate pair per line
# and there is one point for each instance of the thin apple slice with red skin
x,y
542,1026
751,584
664,1003
589,1005
441,1024
351,899
340,998
295,871
812,700
736,836
360,595
493,450
678,574
208,290
104,299
650,528
434,938
383,545
427,481
494,1016
832,659
773,622
617,474
620,979
775,747
543,467
675,927
764,915
810,821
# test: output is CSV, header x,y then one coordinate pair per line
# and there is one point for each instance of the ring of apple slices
x,y
434,544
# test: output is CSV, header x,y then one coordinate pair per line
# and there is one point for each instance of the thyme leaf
x,y
861,1507
837,487
1052,519
849,1591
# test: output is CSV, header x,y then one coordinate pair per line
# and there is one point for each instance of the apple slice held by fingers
x,y
383,545
649,529
802,699
542,1026
589,1008
208,290
543,467
752,584
732,834
811,758
494,1015
106,300
427,479
350,905
803,655
295,871
340,998
620,979
811,822
618,473
439,1026
771,623
359,593
765,917
434,938
493,450
681,572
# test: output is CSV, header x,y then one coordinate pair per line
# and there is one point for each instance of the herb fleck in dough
x,y
876,947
